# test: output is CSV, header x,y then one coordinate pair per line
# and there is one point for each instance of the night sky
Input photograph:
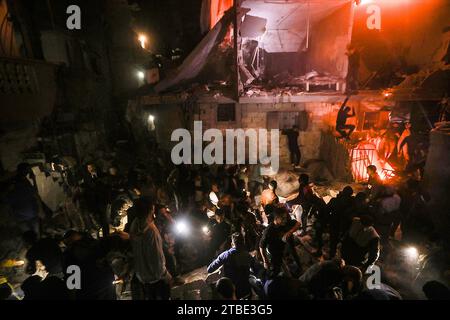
x,y
170,23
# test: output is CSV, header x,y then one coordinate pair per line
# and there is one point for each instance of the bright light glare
x,y
210,213
141,75
412,253
143,40
213,198
151,118
387,93
363,2
205,229
182,227
20,263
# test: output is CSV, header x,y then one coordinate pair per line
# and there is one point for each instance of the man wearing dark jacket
x,y
294,150
236,263
274,239
220,233
340,217
24,200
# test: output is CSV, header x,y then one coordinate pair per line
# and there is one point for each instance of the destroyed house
x,y
286,64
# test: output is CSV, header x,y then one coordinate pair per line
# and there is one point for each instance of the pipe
x,y
308,25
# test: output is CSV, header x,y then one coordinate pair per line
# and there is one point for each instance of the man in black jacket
x,y
294,150
340,217
236,263
274,239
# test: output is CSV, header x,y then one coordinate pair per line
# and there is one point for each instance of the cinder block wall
x,y
255,115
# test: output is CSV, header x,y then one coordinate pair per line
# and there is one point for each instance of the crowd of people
x,y
142,228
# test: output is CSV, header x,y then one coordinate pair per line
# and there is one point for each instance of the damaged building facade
x,y
57,89
287,64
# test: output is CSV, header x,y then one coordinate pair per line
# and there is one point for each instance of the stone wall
x,y
256,116
317,135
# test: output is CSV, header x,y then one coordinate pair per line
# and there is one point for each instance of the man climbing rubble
x,y
344,129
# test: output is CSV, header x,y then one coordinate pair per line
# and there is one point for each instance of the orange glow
x,y
217,10
387,92
366,154
143,40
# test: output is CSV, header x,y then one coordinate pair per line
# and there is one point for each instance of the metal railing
x,y
387,174
360,159
342,155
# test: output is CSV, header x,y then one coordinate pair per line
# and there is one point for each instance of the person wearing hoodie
x,y
151,280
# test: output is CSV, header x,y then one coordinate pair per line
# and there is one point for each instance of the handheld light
x,y
182,227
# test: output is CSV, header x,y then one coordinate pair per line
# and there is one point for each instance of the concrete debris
x,y
197,286
319,171
311,75
285,84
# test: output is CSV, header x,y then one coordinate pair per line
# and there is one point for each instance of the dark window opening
x,y
226,112
370,120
